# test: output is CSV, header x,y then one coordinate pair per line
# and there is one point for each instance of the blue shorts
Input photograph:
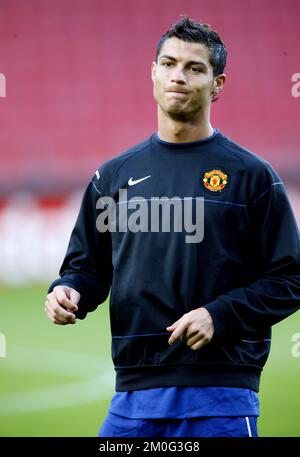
x,y
118,426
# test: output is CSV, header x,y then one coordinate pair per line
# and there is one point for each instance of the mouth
x,y
175,94
176,91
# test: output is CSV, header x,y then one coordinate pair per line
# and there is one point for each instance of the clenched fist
x,y
60,305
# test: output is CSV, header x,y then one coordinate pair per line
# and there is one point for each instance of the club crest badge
x,y
215,180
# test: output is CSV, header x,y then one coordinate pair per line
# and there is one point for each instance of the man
x,y
191,315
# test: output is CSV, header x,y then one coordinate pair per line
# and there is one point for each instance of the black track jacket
x,y
245,271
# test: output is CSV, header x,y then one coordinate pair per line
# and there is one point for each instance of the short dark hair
x,y
187,29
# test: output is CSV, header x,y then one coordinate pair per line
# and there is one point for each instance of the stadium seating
x,y
78,91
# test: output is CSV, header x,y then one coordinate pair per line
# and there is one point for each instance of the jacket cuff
x,y
219,317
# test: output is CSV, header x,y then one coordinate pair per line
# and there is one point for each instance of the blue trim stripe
x,y
268,190
97,190
268,340
223,202
142,334
168,333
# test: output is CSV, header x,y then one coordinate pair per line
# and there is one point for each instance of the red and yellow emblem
x,y
215,180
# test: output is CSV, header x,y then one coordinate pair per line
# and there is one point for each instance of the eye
x,y
195,70
167,64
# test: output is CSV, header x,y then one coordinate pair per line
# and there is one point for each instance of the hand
x,y
60,305
196,328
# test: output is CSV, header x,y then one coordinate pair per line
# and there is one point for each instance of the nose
x,y
178,76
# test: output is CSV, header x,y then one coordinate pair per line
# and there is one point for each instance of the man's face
x,y
183,79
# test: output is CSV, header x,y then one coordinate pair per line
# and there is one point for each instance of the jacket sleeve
x,y
275,292
87,266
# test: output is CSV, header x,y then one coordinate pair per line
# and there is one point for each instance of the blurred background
x,y
75,90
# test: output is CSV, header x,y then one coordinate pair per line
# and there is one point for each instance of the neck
x,y
183,131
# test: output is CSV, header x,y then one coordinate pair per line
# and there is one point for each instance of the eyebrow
x,y
190,62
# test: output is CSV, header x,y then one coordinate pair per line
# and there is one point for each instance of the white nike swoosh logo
x,y
132,182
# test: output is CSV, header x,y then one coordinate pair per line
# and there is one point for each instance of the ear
x,y
218,84
153,70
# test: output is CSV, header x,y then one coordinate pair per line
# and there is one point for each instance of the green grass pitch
x,y
58,380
